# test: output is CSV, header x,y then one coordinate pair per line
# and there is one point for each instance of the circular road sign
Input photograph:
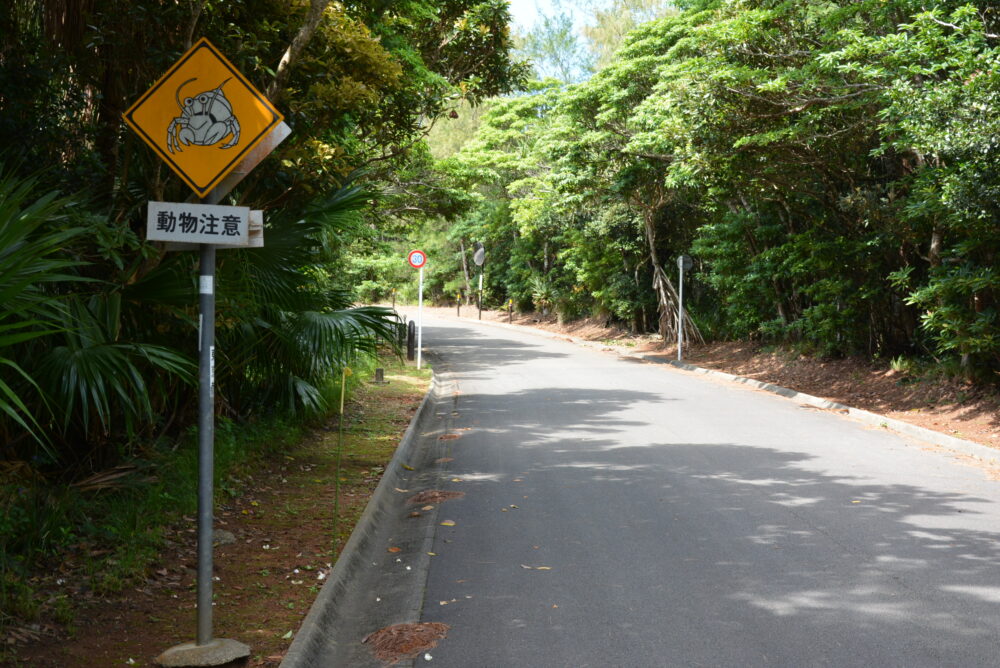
x,y
417,259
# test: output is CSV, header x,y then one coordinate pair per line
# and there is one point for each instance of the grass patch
x,y
79,543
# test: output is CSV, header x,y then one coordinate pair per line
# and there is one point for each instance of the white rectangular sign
x,y
198,223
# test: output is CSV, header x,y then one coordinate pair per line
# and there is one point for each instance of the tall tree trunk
x,y
196,9
305,33
639,312
465,272
666,293
934,250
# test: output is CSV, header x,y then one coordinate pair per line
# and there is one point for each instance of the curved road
x,y
627,514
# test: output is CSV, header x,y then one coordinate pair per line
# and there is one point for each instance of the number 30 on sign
x,y
417,259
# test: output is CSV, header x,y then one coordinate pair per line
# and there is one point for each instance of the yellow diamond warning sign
x,y
202,117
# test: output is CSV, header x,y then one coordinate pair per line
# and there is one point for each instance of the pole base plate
x,y
218,652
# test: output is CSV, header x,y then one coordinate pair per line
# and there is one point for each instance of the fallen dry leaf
x,y
448,523
394,550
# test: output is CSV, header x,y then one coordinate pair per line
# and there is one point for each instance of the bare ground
x,y
267,578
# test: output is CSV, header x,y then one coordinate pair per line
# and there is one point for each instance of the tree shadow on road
x,y
746,555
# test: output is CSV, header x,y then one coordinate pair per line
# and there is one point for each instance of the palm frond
x,y
90,375
282,328
30,243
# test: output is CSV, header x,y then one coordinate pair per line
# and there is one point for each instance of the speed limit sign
x,y
417,259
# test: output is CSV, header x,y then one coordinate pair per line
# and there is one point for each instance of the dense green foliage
x,y
98,327
831,166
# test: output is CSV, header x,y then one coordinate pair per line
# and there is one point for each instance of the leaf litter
x,y
433,496
405,641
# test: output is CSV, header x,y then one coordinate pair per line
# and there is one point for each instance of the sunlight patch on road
x,y
600,466
988,594
481,477
851,602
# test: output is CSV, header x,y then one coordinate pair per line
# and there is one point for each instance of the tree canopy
x,y
830,166
97,326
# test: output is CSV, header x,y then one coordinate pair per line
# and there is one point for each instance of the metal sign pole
x,y
420,316
683,262
680,310
206,430
479,257
206,438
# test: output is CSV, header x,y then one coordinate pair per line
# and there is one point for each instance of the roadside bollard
x,y
411,340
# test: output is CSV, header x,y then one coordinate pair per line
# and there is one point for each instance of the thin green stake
x,y
340,449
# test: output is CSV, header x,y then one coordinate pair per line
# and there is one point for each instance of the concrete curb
x,y
970,448
961,445
323,613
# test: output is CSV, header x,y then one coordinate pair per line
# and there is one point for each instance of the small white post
x,y
420,316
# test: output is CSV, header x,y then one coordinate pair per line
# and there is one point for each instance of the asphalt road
x,y
627,514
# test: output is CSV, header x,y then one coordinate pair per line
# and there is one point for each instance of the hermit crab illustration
x,y
205,120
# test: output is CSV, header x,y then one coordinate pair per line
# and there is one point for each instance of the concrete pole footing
x,y
218,652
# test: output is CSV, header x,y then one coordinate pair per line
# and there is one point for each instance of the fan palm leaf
x,y
31,241
92,374
282,331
